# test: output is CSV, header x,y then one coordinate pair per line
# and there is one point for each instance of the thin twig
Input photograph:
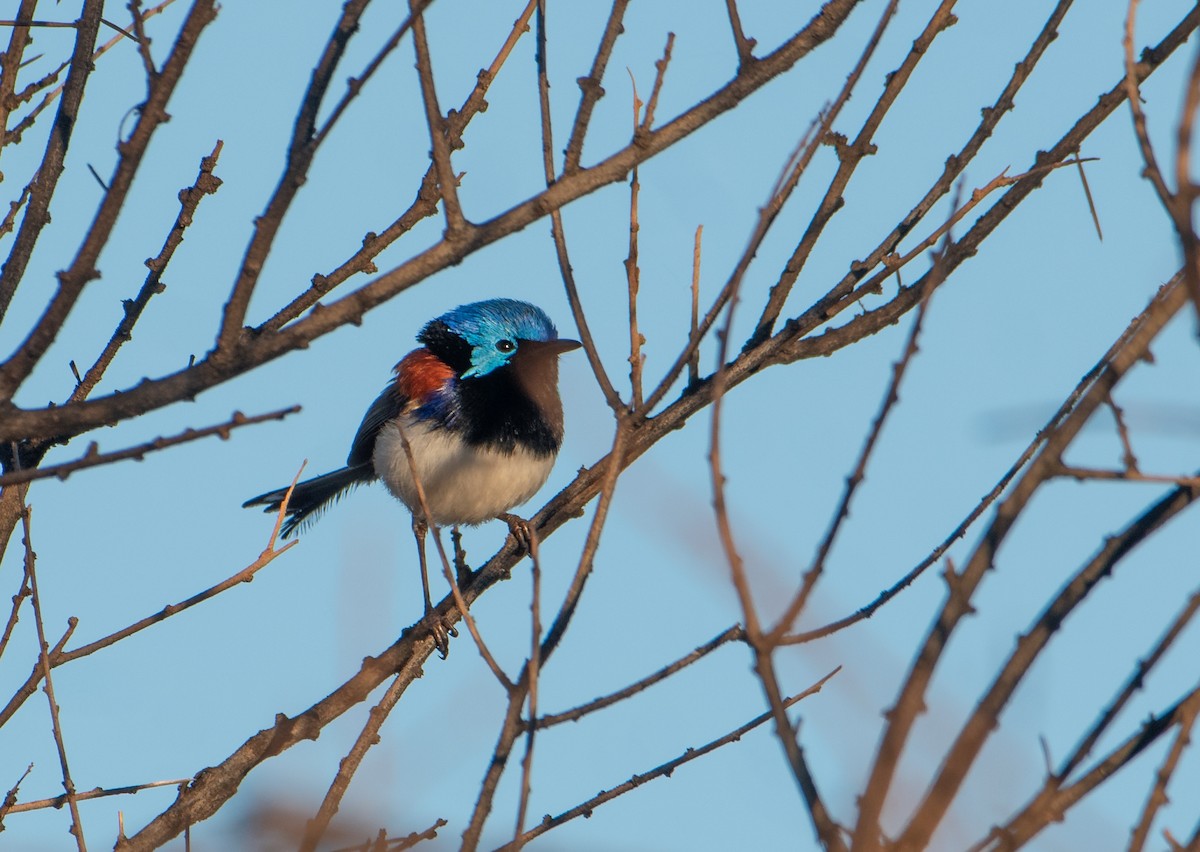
x,y
206,183
693,363
731,634
456,225
533,666
44,662
1158,793
556,225
664,770
744,46
93,457
59,657
314,830
94,793
425,204
590,86
10,798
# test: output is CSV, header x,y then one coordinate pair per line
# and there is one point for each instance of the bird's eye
x,y
505,345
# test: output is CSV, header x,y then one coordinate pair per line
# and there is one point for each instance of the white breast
x,y
462,484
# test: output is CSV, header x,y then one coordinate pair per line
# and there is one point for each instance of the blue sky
x,y
1005,340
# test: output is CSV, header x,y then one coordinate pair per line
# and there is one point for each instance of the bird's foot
x,y
522,533
441,630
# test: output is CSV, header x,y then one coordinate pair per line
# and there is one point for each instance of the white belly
x,y
462,484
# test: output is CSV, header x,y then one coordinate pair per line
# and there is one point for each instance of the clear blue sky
x,y
1006,339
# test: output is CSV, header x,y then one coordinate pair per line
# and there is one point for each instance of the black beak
x,y
548,348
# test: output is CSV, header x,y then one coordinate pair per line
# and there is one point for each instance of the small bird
x,y
479,407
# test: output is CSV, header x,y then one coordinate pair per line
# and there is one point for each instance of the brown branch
x,y
1085,473
82,269
731,634
10,798
744,46
26,94
1052,807
59,657
591,90
557,233
37,215
95,793
633,276
10,63
23,591
457,227
789,178
910,701
1158,793
301,150
533,668
850,156
44,664
1087,193
94,458
664,770
425,204
143,40
206,183
985,718
693,364
890,398
1178,204
367,737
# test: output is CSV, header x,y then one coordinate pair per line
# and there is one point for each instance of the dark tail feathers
x,y
312,496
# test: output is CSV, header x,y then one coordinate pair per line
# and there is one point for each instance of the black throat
x,y
498,413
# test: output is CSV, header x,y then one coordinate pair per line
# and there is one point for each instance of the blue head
x,y
481,337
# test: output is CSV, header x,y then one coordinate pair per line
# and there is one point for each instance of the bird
x,y
478,406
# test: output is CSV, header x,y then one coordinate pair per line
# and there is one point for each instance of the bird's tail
x,y
312,496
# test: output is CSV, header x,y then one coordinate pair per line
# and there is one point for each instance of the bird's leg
x,y
440,630
522,533
461,569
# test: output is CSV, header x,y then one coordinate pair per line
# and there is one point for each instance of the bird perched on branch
x,y
478,406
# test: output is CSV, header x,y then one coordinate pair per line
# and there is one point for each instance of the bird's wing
x,y
420,378
387,406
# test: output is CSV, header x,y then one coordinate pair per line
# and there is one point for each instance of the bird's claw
x,y
522,533
441,631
